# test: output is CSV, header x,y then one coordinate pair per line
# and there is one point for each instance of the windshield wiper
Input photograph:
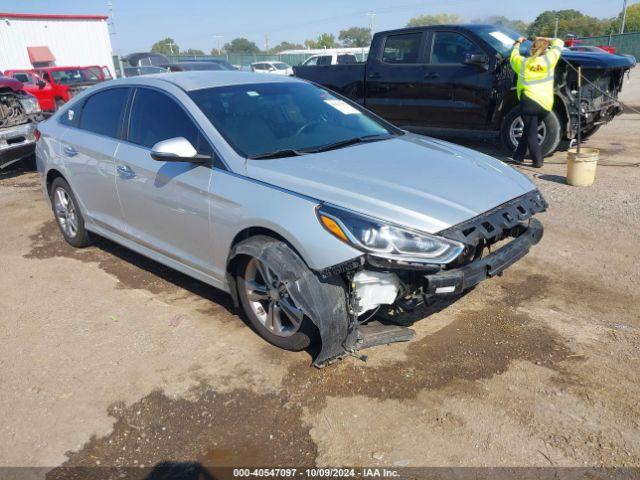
x,y
287,152
347,142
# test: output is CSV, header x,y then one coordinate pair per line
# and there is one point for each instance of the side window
x,y
451,47
403,48
346,59
102,112
311,61
156,117
324,60
22,77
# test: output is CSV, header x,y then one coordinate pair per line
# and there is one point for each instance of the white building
x,y
29,40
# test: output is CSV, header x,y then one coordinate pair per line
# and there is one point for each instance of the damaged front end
x,y
491,242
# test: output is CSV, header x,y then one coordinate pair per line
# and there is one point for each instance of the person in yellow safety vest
x,y
535,91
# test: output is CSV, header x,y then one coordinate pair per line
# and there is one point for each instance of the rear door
x,y
457,95
88,148
166,204
394,78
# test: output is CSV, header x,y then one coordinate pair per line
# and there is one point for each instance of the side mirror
x,y
177,149
478,59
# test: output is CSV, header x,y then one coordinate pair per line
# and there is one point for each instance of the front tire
x,y
267,304
549,131
68,216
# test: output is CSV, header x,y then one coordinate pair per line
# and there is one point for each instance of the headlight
x,y
30,104
386,240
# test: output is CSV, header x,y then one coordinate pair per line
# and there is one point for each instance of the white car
x,y
278,68
331,59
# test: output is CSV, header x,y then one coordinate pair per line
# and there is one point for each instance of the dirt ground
x,y
110,359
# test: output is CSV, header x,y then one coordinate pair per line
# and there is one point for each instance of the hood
x,y
11,83
598,60
410,180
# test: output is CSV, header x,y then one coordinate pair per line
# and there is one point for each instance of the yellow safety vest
x,y
536,74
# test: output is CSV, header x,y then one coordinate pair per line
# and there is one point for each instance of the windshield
x,y
500,38
257,119
72,75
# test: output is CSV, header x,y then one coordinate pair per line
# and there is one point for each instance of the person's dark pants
x,y
532,114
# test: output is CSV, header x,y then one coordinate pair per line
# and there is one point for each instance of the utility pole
x,y
624,16
371,15
555,30
266,42
219,43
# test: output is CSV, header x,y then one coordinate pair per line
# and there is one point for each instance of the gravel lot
x,y
110,359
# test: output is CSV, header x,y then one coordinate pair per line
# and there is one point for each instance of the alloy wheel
x,y
517,127
65,212
270,301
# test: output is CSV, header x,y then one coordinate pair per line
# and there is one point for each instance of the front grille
x,y
497,223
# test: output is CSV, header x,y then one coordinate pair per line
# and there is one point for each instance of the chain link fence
x,y
245,60
628,43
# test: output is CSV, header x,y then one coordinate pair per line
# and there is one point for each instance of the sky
x,y
202,24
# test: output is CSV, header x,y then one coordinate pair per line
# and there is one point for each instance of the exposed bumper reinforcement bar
x,y
455,281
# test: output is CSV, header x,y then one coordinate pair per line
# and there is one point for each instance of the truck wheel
x,y
267,304
548,131
68,215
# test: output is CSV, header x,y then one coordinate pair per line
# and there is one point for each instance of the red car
x,y
102,72
67,81
36,86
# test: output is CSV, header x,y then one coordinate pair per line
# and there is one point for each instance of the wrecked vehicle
x,y
456,79
19,113
308,209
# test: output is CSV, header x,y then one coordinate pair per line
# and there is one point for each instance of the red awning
x,y
40,55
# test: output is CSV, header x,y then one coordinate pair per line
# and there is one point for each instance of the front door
x,y
165,204
459,93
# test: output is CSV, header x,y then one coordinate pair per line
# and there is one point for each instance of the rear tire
x,y
267,304
68,216
550,131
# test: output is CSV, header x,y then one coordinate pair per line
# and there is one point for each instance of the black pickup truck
x,y
458,78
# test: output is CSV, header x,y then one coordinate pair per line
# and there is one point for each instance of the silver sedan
x,y
312,212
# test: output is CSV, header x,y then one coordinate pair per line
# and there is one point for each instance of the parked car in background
x,y
36,86
457,79
144,70
67,81
308,209
277,68
140,59
102,72
19,114
224,64
187,66
331,59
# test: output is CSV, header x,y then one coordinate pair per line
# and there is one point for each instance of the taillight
x,y
37,134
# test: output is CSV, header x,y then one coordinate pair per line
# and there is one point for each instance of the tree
x,y
192,51
355,37
439,19
325,40
569,21
631,23
282,46
517,25
241,45
166,46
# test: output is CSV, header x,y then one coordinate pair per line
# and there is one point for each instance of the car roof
x,y
198,80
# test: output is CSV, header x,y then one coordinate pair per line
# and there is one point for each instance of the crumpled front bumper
x,y
457,280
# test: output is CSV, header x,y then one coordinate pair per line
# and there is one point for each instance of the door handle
x,y
431,75
125,172
375,75
70,151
